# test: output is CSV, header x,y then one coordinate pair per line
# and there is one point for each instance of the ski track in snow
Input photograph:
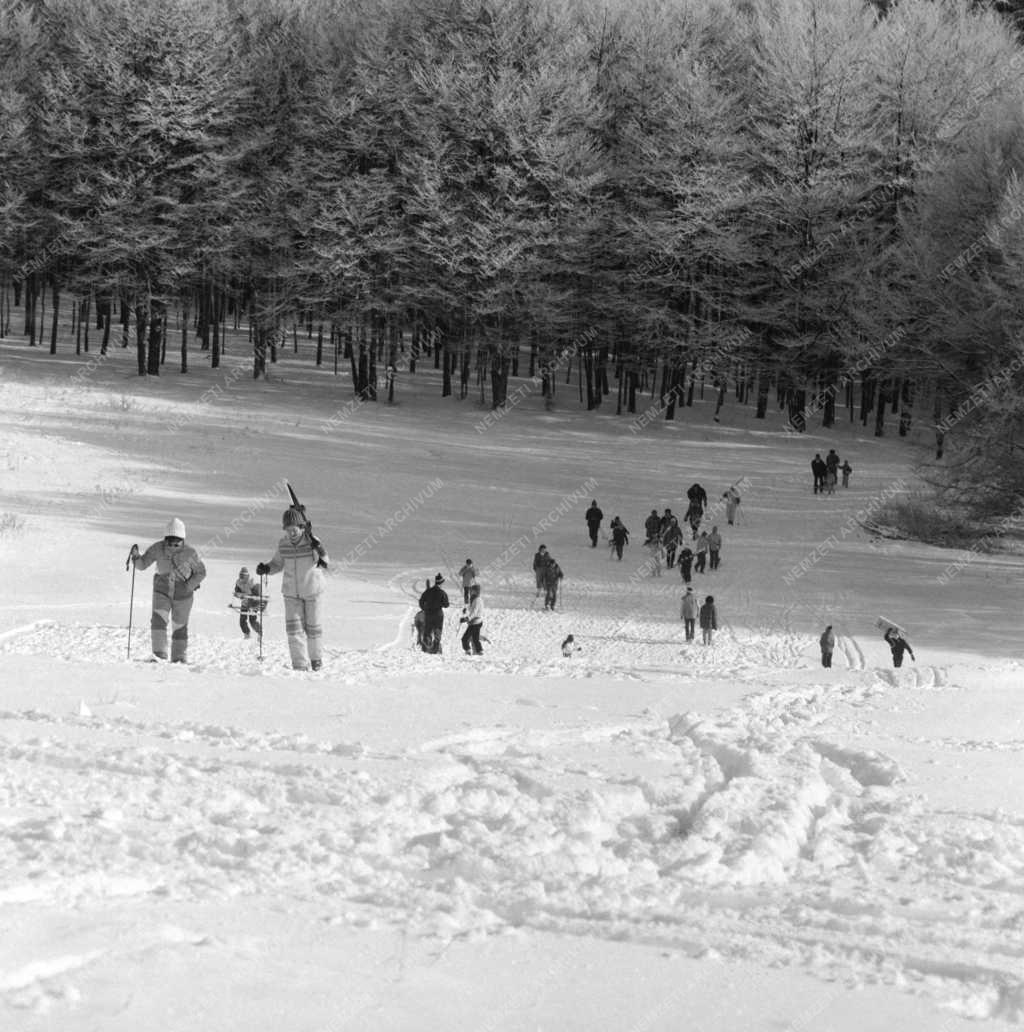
x,y
751,831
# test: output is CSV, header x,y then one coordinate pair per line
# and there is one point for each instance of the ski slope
x,y
648,834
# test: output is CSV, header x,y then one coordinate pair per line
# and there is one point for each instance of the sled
x,y
884,624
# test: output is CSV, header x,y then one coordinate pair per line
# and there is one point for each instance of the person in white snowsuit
x,y
473,618
302,559
179,571
688,613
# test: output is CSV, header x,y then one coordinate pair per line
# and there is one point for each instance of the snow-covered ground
x,y
648,835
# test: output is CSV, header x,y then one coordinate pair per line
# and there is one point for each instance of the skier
x,y
732,502
672,536
828,644
433,602
846,469
473,618
179,571
540,559
702,551
899,645
468,575
819,469
593,517
708,617
686,564
552,575
620,536
569,646
688,613
652,526
300,557
714,547
250,601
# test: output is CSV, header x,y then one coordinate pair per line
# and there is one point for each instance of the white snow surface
x,y
648,835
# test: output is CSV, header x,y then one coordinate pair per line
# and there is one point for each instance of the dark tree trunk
x,y
140,339
867,398
499,380
156,325
796,403
54,321
184,339
828,413
763,387
906,412
108,316
446,371
940,434
880,408
320,345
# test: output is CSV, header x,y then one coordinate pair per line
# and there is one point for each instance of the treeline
x,y
819,198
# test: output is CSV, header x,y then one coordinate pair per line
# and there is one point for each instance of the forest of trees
x,y
819,200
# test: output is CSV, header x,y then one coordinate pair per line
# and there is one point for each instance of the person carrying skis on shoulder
x,y
688,613
708,617
620,536
593,516
250,601
540,559
702,551
652,526
827,641
898,644
714,547
301,558
468,574
552,575
433,602
473,618
179,572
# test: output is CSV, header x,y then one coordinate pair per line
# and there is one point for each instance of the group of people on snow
x,y
826,472
429,621
179,572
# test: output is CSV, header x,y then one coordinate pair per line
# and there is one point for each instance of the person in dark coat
x,y
819,469
652,525
694,514
671,538
433,602
827,641
689,612
552,575
846,469
832,461
686,564
899,645
593,517
540,559
620,536
708,618
697,496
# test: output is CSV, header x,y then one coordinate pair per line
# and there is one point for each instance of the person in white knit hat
x,y
179,571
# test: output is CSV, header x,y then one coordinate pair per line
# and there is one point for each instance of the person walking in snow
x,y
593,516
688,613
686,564
694,514
672,538
827,641
708,617
702,551
652,526
832,462
898,644
818,469
433,602
552,575
654,554
732,503
301,559
830,482
540,559
250,601
697,496
468,574
179,572
473,618
846,469
620,536
714,547
418,623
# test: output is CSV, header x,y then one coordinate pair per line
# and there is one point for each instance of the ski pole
x,y
263,594
131,605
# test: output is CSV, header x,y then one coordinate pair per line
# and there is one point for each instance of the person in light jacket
x,y
828,645
688,613
474,621
301,558
732,503
708,617
714,547
250,602
179,572
702,551
898,644
468,574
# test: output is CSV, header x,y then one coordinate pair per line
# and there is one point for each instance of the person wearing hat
x,y
688,613
708,617
179,571
468,575
301,558
433,602
473,618
247,591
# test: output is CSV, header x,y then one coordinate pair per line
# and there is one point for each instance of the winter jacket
x,y
708,616
653,526
434,599
468,575
303,578
475,611
686,559
619,533
702,544
828,641
832,461
181,567
594,515
714,541
672,534
539,560
690,607
552,574
697,496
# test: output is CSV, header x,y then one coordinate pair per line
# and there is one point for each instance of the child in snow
x,y
569,646
827,641
686,564
468,575
708,617
250,601
689,612
473,618
898,644
301,558
846,469
179,571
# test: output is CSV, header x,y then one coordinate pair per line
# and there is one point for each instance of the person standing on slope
x,y
846,469
702,551
714,547
468,574
708,617
652,526
686,564
473,618
250,602
818,469
697,496
654,554
540,560
688,613
552,575
179,572
827,641
620,536
732,503
593,517
433,602
898,644
672,538
301,558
